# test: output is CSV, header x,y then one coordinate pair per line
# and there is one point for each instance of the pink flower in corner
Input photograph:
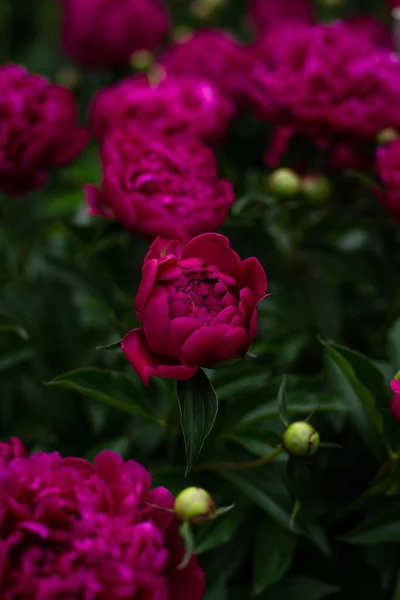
x,y
395,404
38,129
158,185
388,164
174,105
197,305
105,33
73,529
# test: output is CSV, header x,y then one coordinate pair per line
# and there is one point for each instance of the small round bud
x,y
194,505
301,439
68,77
284,183
141,60
316,188
386,136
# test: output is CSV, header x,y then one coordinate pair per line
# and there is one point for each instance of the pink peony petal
x,y
156,320
210,345
253,276
213,249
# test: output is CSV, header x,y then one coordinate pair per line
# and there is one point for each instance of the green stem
x,y
242,465
171,422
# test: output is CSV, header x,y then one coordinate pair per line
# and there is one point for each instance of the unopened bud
x,y
386,136
182,33
194,505
68,77
316,188
284,183
300,439
141,60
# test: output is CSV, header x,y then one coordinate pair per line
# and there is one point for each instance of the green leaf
x,y
295,587
383,526
273,554
113,346
394,345
266,491
198,404
364,414
220,531
11,325
217,591
188,539
110,387
282,402
12,359
299,477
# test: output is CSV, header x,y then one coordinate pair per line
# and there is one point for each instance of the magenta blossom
x,y
173,105
395,404
215,56
371,29
328,85
157,185
38,129
268,15
105,33
71,529
388,164
197,305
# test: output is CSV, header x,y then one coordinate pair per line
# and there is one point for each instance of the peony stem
x,y
242,465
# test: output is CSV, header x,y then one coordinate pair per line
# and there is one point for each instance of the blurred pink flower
x,y
267,15
158,185
395,404
184,105
215,56
71,529
327,84
371,29
38,129
105,33
197,305
388,165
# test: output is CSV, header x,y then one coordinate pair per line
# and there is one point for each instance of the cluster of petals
x,y
172,105
388,165
215,56
327,84
369,28
157,185
73,529
38,129
101,33
268,15
197,305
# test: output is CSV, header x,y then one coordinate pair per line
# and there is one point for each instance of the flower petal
x,y
179,331
156,320
213,249
146,363
149,271
209,345
253,277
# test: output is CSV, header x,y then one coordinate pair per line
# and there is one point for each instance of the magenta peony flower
x,y
215,56
38,129
173,105
328,85
105,33
71,529
371,29
197,305
388,164
158,185
395,404
267,15
13,448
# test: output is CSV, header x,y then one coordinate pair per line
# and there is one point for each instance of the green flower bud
x,y
300,439
386,136
316,188
194,505
397,376
141,60
284,183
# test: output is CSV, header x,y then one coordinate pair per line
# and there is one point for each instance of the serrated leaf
x,y
273,554
198,404
282,402
110,387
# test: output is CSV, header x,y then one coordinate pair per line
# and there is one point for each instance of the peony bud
x,y
141,60
386,136
316,188
194,505
284,182
300,439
